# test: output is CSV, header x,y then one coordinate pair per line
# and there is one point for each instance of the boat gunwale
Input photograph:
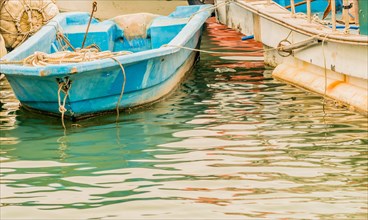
x,y
361,40
187,32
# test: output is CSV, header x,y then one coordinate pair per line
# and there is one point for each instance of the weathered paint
x,y
335,54
343,56
243,23
348,90
96,85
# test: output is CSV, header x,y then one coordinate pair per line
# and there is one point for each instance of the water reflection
x,y
225,145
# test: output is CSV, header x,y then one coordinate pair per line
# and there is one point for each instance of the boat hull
x,y
104,105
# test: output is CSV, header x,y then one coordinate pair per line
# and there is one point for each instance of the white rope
x,y
244,52
325,72
214,52
82,55
315,18
62,108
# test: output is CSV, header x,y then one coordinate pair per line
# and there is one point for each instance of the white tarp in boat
x,y
135,25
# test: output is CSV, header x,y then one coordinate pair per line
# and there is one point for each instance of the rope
x,y
60,36
325,72
322,36
122,87
82,55
215,52
13,33
315,18
65,87
11,62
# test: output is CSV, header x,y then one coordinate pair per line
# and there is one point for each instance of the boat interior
x,y
133,32
321,9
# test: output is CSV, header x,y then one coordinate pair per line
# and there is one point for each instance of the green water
x,y
224,145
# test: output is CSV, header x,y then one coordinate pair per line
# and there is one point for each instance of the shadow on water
x,y
230,142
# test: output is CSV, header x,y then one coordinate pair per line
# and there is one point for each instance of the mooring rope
x,y
214,52
322,36
122,88
60,36
65,87
325,73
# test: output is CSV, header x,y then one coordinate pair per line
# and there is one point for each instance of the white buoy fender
x,y
21,18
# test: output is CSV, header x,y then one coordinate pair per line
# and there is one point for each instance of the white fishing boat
x,y
307,52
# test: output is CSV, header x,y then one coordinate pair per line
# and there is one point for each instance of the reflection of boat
x,y
308,52
48,82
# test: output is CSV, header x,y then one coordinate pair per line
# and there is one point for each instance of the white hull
x,y
108,9
337,68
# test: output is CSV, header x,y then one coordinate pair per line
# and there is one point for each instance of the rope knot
x,y
62,109
40,56
64,85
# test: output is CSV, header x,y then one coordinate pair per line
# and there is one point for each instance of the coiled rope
x,y
78,56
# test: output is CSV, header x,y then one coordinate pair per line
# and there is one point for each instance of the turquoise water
x,y
224,145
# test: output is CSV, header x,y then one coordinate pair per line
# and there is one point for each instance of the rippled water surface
x,y
230,142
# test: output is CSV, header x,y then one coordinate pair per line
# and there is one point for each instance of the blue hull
x,y
152,70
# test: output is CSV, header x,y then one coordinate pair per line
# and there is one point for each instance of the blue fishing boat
x,y
77,66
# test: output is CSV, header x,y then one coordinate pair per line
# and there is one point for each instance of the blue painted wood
x,y
152,71
318,6
363,17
